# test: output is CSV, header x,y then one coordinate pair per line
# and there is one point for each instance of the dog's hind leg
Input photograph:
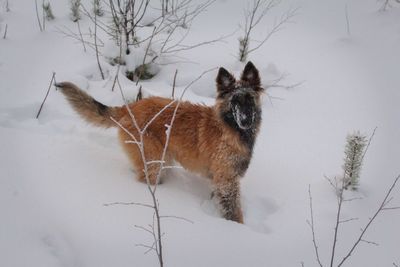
x,y
227,190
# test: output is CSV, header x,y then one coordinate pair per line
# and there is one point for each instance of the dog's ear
x,y
225,81
251,76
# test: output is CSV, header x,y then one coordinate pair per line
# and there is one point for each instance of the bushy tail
x,y
89,109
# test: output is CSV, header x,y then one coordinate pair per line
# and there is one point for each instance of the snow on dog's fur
x,y
216,141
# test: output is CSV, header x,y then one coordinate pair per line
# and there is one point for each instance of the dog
x,y
214,141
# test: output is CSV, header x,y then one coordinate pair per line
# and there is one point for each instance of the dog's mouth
x,y
244,116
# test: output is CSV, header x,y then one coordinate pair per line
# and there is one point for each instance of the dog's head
x,y
239,100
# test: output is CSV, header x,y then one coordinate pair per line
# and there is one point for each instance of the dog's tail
x,y
88,108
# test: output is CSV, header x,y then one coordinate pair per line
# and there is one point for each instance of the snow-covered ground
x,y
56,172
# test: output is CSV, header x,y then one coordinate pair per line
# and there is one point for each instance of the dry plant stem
x,y
173,84
277,27
381,208
119,64
128,204
347,21
140,143
5,32
96,47
249,27
369,142
37,16
340,202
47,93
156,227
145,56
69,33
80,34
43,16
311,224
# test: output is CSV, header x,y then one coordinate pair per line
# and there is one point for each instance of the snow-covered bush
x,y
253,15
48,12
98,8
75,12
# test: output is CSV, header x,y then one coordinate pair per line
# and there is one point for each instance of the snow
x,y
56,172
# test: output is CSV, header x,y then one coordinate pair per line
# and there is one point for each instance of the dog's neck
x,y
248,136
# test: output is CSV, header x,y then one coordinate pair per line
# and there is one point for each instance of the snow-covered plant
x,y
48,13
387,3
354,151
75,10
253,15
98,8
243,49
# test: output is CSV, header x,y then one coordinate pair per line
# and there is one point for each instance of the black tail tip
x,y
59,85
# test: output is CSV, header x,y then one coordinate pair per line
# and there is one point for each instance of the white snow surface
x,y
56,172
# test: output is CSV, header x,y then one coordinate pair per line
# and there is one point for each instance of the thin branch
x,y
173,84
37,16
277,27
156,116
177,217
369,242
391,208
347,21
380,208
369,142
128,204
95,45
337,224
311,224
348,220
47,93
5,32
80,34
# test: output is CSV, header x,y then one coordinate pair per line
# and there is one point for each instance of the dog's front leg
x,y
227,190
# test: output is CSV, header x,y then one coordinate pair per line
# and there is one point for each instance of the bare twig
x,y
311,224
155,228
47,93
177,217
173,84
347,21
96,47
5,32
80,34
369,142
286,18
128,204
276,83
37,16
364,230
253,17
338,213
348,220
369,242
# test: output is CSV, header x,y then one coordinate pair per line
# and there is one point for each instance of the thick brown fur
x,y
206,140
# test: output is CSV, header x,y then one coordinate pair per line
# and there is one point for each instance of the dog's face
x,y
238,100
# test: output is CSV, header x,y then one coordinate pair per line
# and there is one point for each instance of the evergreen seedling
x,y
354,150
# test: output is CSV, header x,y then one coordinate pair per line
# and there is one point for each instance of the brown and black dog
x,y
216,141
